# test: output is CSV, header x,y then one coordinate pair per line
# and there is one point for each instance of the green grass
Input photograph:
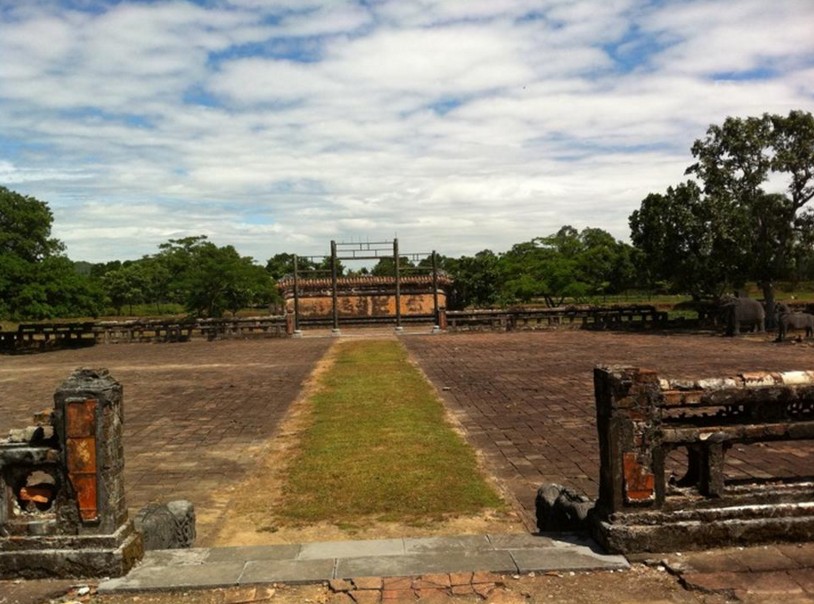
x,y
379,446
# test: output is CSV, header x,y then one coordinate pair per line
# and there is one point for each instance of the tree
x,y
477,280
36,280
689,240
25,227
282,265
567,264
126,285
736,160
219,279
386,266
604,263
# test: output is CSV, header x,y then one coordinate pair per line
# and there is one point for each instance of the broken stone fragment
x,y
167,526
25,435
561,509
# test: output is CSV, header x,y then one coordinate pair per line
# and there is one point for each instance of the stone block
x,y
167,526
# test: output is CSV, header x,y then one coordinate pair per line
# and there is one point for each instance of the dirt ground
x,y
641,584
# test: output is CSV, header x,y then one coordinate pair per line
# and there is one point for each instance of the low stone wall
x,y
573,317
38,337
641,418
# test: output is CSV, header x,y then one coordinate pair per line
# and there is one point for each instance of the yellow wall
x,y
356,305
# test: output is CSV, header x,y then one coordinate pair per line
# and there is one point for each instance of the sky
x,y
452,125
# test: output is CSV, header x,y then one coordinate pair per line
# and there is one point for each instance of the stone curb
x,y
342,560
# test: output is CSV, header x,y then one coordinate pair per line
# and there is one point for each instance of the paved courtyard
x,y
526,400
198,414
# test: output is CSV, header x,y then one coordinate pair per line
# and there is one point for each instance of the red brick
x,y
462,590
485,577
397,583
640,483
774,582
340,585
714,582
460,578
367,596
398,595
434,580
429,596
483,589
367,582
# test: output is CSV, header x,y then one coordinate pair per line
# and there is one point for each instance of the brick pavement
x,y
526,399
763,573
197,414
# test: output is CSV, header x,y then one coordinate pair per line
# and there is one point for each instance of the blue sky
x,y
454,125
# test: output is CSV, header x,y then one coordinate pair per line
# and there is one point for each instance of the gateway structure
x,y
418,293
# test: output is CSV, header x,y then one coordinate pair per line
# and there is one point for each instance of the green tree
x,y
567,264
156,280
127,285
386,267
177,258
736,160
219,279
36,280
282,265
477,280
25,227
689,240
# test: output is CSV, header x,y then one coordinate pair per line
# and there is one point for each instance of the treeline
x,y
38,281
704,237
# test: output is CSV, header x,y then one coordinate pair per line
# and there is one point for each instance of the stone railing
x,y
180,331
642,418
34,337
43,336
583,317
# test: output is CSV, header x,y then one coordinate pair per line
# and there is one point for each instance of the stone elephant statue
x,y
794,320
738,311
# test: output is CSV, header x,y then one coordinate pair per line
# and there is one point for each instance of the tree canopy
x,y
727,229
208,280
36,280
567,264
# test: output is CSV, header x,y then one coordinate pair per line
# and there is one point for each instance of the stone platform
x,y
342,560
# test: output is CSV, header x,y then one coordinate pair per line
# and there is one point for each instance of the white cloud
x,y
457,125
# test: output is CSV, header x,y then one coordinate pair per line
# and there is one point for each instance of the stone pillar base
x,y
71,556
659,532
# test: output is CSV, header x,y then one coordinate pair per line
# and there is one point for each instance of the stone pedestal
x,y
62,504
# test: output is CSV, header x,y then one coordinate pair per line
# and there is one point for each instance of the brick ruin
x,y
62,504
641,418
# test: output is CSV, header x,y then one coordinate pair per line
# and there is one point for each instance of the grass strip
x,y
379,445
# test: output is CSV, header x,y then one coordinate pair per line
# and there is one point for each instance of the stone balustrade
x,y
641,418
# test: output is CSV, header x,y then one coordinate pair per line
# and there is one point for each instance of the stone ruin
x,y
62,502
641,418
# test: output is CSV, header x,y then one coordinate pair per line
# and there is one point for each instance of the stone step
x,y
331,560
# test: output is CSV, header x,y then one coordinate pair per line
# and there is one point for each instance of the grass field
x,y
378,445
